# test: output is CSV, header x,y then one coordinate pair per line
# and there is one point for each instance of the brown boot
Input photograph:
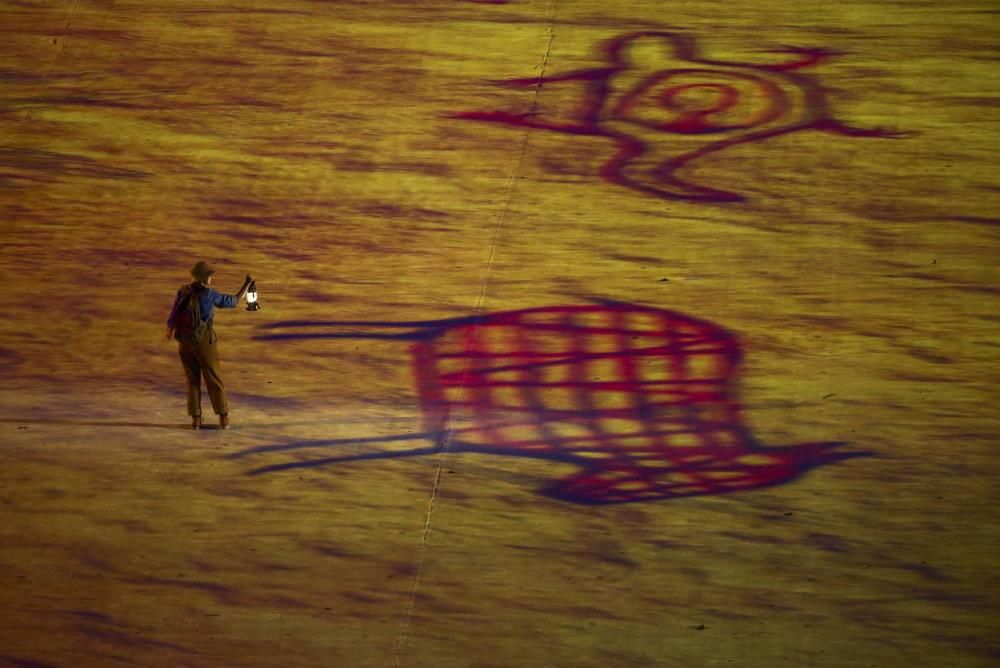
x,y
224,421
196,422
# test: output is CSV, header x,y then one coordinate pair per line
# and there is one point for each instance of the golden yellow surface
x,y
314,145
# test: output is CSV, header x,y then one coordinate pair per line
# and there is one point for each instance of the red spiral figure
x,y
664,117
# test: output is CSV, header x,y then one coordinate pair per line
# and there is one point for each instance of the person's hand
x,y
248,280
170,334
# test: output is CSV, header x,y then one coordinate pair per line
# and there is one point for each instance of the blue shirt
x,y
207,300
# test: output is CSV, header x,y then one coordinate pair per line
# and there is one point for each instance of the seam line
x,y
445,437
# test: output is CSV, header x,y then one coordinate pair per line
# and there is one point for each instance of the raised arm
x,y
243,290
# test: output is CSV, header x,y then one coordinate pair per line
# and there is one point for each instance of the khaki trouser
x,y
202,359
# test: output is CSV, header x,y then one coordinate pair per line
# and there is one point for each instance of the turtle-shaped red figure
x,y
640,399
664,114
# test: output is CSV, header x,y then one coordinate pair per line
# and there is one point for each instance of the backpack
x,y
188,325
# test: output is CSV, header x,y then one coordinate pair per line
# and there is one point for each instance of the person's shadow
x,y
99,423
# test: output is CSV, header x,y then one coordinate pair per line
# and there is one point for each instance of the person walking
x,y
191,324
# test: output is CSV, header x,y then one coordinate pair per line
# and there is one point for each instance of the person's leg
x,y
192,370
210,368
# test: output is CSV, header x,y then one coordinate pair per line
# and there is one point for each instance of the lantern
x,y
252,303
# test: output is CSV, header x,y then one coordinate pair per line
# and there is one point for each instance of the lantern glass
x,y
252,304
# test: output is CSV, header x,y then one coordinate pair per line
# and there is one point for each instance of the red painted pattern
x,y
641,398
683,98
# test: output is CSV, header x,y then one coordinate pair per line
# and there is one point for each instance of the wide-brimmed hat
x,y
202,271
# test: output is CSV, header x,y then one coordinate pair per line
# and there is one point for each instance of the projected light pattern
x,y
640,399
686,107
